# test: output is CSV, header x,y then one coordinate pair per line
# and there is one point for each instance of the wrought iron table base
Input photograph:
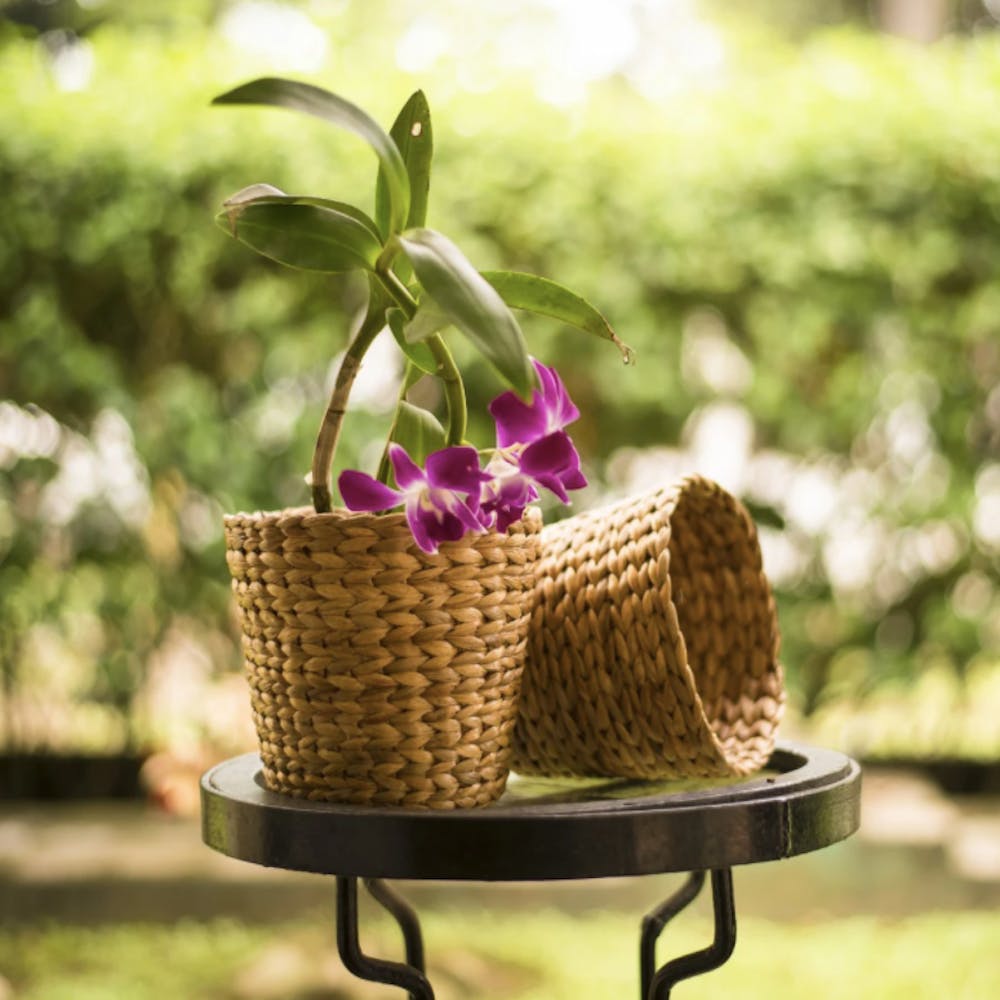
x,y
806,799
410,976
654,985
658,986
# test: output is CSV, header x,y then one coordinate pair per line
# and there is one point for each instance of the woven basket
x,y
380,674
653,644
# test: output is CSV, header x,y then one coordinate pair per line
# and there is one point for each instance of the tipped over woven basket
x,y
653,646
380,674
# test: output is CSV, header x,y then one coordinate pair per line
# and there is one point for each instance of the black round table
x,y
543,829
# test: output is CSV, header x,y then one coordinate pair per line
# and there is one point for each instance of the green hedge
x,y
836,220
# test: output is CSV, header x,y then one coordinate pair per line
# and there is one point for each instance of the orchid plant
x,y
420,287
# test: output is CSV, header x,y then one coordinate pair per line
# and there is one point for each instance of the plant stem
x,y
454,390
329,428
447,371
399,292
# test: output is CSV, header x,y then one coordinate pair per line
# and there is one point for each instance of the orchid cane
x,y
420,287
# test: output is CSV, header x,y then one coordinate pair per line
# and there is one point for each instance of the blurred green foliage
x,y
828,215
522,956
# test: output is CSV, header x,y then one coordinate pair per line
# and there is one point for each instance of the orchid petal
x,y
515,490
550,409
407,472
422,523
454,506
573,479
363,492
549,382
506,513
506,516
560,408
517,421
550,454
551,482
456,468
451,529
507,499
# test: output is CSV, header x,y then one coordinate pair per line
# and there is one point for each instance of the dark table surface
x,y
806,799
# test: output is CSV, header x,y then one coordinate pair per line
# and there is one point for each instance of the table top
x,y
541,829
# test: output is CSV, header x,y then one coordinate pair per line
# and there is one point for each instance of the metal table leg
x,y
653,924
409,976
658,986
404,915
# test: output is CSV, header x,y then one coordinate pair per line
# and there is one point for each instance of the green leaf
x,y
266,194
312,100
417,430
471,303
412,133
548,298
411,376
418,353
303,235
430,319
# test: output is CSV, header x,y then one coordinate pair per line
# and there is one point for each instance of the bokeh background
x,y
790,209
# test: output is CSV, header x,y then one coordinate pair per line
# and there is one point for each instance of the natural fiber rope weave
x,y
380,674
653,647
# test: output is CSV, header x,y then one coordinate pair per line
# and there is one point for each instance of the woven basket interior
x,y
727,619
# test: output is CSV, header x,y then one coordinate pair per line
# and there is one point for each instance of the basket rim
x,y
531,518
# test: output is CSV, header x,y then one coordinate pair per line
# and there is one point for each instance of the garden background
x,y
790,212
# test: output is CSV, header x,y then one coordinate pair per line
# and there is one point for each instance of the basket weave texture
x,y
653,647
380,674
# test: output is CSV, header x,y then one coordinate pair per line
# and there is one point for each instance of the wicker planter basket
x,y
653,647
380,674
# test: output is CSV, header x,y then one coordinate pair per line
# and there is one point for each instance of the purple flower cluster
x,y
454,495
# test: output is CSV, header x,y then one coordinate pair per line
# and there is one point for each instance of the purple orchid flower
x,y
516,473
506,494
533,449
455,496
550,410
435,510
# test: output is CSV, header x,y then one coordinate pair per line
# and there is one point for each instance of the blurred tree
x,y
801,253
